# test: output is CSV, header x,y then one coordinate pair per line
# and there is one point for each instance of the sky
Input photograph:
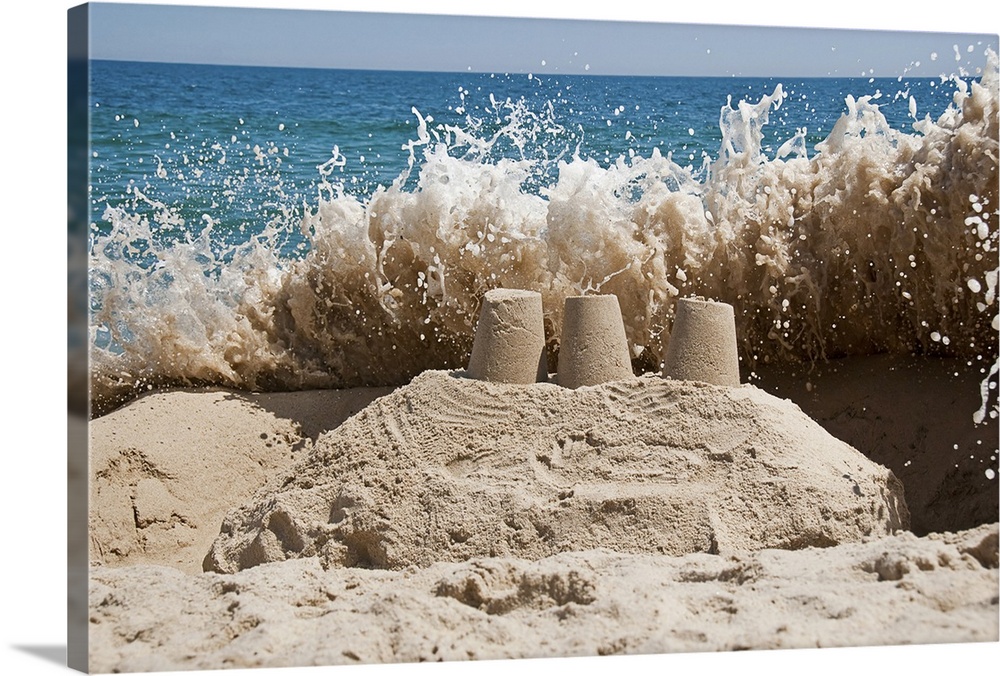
x,y
576,44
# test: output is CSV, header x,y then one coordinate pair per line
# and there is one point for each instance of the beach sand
x,y
636,517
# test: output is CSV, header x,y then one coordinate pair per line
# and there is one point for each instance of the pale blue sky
x,y
336,39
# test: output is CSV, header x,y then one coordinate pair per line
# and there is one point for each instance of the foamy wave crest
x,y
881,241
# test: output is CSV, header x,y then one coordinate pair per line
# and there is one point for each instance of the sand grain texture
x,y
914,416
447,468
895,590
165,468
473,520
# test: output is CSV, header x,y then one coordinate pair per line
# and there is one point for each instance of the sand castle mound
x,y
448,468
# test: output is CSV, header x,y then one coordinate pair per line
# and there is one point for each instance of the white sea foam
x,y
875,242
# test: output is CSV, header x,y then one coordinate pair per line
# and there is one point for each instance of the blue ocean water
x,y
245,144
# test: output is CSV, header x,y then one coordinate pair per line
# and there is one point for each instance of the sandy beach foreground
x,y
453,519
896,590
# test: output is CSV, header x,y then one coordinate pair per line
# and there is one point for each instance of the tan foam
x,y
593,348
703,343
510,338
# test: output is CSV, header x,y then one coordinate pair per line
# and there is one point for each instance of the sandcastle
x,y
703,343
509,344
593,348
510,338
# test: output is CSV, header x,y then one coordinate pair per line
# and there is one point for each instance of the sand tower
x,y
510,338
593,348
703,343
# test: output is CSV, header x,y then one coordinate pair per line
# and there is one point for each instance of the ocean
x,y
153,124
276,228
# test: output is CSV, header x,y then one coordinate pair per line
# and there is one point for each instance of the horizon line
x,y
941,77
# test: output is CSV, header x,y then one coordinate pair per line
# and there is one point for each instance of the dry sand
x,y
457,519
896,590
448,468
165,469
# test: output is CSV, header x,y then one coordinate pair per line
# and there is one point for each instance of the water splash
x,y
880,241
